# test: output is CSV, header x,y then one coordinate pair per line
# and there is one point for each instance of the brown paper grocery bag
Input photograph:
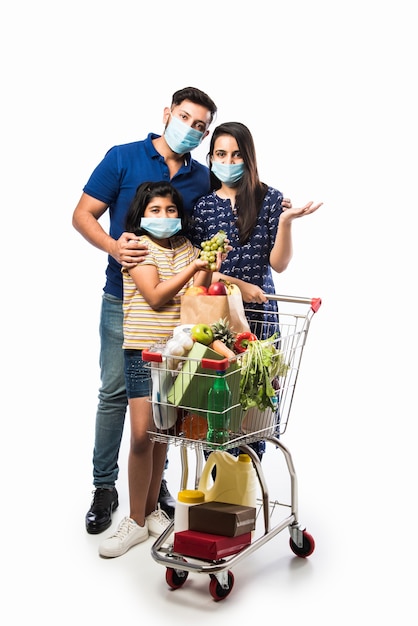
x,y
209,309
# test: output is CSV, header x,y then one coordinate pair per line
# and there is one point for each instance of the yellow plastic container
x,y
235,481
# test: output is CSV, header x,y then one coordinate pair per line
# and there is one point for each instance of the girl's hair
x,y
143,196
250,189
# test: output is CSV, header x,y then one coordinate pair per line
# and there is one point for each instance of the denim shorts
x,y
137,375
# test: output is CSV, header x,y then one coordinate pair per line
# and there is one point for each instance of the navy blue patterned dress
x,y
248,262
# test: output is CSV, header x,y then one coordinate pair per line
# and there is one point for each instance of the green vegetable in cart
x,y
261,363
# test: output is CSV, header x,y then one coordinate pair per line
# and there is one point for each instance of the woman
x,y
257,221
254,216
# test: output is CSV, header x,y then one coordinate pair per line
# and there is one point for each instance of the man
x,y
112,186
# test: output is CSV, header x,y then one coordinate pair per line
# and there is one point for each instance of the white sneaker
x,y
157,522
128,534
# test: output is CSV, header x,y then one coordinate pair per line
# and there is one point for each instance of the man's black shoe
x,y
166,500
99,516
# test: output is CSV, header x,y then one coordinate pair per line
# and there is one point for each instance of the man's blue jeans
x,y
111,410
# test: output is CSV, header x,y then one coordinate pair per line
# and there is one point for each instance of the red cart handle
x,y
149,355
314,303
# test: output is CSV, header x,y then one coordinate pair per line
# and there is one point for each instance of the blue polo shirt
x,y
117,177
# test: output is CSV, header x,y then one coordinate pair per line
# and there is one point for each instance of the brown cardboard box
x,y
221,518
207,546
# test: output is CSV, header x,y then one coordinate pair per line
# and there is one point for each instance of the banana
x,y
234,289
231,287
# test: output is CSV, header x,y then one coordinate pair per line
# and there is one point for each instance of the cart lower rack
x,y
180,392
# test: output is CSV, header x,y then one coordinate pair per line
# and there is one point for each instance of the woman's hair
x,y
143,196
250,189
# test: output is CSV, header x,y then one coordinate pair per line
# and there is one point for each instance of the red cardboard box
x,y
207,546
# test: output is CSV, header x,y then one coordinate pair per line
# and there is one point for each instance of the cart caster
x,y
219,591
307,547
175,578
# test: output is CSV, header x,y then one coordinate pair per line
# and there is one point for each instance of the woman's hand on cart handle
x,y
251,294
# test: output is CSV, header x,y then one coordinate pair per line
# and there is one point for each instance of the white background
x,y
328,90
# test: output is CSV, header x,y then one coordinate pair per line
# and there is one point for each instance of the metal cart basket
x,y
179,398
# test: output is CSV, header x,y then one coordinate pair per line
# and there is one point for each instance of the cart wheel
x,y
216,590
307,548
175,578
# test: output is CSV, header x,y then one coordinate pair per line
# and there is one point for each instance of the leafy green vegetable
x,y
261,363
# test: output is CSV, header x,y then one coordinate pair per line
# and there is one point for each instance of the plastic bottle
x,y
235,482
219,410
186,499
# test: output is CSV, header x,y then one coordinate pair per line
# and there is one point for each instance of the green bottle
x,y
219,410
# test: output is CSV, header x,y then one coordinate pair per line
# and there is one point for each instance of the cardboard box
x,y
207,546
191,386
221,518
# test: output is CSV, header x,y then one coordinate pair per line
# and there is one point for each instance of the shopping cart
x,y
179,397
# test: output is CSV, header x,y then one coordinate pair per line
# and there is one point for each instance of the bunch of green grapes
x,y
210,249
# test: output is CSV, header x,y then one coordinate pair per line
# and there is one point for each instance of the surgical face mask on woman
x,y
161,227
180,137
228,173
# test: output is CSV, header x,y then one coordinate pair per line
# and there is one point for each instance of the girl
x,y
151,305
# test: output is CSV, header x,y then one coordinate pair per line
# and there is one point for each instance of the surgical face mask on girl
x,y
161,227
180,137
228,173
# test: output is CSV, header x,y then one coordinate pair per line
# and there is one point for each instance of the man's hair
x,y
197,96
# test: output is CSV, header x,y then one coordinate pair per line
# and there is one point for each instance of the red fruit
x,y
217,289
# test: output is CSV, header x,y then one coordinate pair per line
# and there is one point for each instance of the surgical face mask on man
x,y
161,227
228,173
180,137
